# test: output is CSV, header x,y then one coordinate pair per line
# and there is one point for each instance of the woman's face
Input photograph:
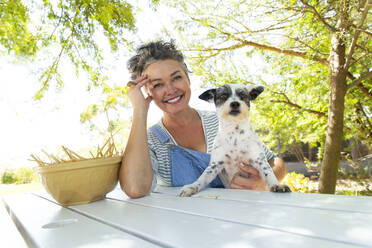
x,y
169,85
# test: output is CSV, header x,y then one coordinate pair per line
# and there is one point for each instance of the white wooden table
x,y
213,218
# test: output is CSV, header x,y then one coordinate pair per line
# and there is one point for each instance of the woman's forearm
x,y
136,171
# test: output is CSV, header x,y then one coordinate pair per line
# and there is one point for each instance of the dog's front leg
x,y
267,173
208,175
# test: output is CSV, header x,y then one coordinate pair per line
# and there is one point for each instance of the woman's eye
x,y
156,85
177,77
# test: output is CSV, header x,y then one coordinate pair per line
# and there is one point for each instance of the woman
x,y
175,151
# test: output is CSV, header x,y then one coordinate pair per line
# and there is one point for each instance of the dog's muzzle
x,y
235,108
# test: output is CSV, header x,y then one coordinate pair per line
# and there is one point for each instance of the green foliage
x,y
19,176
354,187
228,40
115,97
354,171
367,192
14,33
26,175
118,125
115,102
78,27
8,177
294,109
298,183
72,30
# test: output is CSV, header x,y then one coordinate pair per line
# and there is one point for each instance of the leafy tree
x,y
73,29
114,103
14,33
319,52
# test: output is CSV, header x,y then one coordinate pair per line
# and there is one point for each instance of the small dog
x,y
236,141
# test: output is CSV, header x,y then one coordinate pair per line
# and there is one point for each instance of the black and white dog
x,y
236,141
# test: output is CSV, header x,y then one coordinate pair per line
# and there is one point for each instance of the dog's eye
x,y
224,97
243,95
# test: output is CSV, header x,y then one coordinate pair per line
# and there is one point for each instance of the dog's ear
x,y
208,95
255,91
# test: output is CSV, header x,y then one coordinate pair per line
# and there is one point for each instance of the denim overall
x,y
186,165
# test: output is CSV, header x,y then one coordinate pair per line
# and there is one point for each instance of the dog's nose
x,y
235,105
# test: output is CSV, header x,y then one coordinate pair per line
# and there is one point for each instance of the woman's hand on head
x,y
136,97
253,181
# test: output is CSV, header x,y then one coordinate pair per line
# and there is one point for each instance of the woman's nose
x,y
170,88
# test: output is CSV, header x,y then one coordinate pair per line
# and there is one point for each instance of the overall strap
x,y
160,133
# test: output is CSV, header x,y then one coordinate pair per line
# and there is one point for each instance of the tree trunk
x,y
334,136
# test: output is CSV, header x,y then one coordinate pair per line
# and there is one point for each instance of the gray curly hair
x,y
152,52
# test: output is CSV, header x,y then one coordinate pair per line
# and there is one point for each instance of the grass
x,y
355,187
351,185
6,189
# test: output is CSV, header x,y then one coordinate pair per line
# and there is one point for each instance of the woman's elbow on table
x,y
135,178
135,189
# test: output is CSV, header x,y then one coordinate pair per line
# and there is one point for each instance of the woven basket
x,y
80,182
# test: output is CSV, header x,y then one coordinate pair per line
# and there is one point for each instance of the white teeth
x,y
174,99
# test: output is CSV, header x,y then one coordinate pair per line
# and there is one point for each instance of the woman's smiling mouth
x,y
174,100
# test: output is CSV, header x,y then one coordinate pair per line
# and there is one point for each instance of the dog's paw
x,y
187,190
281,188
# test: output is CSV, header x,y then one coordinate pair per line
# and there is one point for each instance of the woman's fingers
x,y
148,99
248,169
247,178
236,186
239,182
138,97
139,82
131,83
143,80
136,85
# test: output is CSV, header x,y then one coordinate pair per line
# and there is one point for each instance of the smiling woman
x,y
169,86
176,150
160,68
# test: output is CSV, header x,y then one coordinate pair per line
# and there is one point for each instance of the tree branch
x,y
56,26
231,20
364,49
288,102
360,109
233,47
365,90
358,60
305,44
356,34
318,16
362,30
259,46
286,52
359,80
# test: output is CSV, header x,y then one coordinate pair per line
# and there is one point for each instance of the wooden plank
x,y
318,222
43,223
360,204
10,237
177,228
